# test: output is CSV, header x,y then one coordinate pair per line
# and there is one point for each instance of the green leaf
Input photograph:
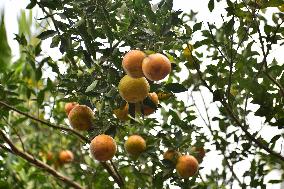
x,y
158,180
55,41
275,181
52,4
275,138
175,88
46,34
38,49
4,185
40,97
31,4
218,95
5,51
211,5
273,3
197,26
21,39
229,27
92,86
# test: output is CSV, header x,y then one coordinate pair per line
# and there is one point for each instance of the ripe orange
x,y
66,156
187,166
122,112
49,156
135,145
199,153
81,117
147,109
154,98
156,67
103,147
132,63
133,90
171,155
69,106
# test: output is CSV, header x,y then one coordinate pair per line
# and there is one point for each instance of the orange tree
x,y
230,67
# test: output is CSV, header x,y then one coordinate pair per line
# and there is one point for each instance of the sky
x,y
13,7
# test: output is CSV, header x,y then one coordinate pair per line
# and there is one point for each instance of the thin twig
x,y
216,43
116,171
201,178
231,64
209,126
19,137
265,54
236,119
58,31
275,82
112,173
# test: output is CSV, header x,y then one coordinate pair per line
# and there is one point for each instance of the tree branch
x,y
265,54
235,119
231,65
37,162
116,171
112,173
7,149
46,122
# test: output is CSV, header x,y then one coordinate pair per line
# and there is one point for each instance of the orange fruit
x,y
66,156
132,63
171,155
133,89
156,67
135,145
154,98
103,147
122,112
81,117
69,106
187,166
147,109
199,153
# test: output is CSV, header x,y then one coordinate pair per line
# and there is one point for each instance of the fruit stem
x,y
112,173
116,171
131,112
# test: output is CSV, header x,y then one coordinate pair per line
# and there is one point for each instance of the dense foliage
x,y
230,68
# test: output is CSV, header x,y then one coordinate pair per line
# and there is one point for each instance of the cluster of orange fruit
x,y
186,165
64,156
102,147
134,87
